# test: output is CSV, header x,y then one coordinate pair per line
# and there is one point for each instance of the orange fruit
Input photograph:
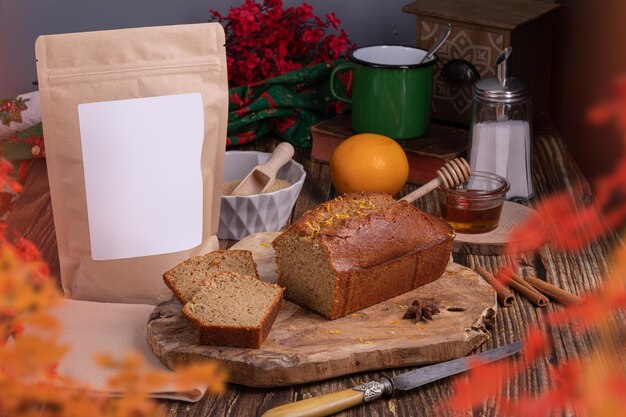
x,y
369,162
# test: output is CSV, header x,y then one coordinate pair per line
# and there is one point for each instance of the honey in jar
x,y
474,206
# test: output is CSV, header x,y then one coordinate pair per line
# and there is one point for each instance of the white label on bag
x,y
143,177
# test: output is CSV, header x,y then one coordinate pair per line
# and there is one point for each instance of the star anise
x,y
421,310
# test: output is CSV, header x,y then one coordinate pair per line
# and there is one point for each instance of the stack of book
x,y
426,154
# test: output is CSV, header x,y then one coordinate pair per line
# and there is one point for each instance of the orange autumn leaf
x,y
31,255
610,190
129,360
540,406
567,377
27,250
133,376
612,109
157,379
211,374
536,344
504,274
565,223
590,386
616,386
480,383
5,177
134,406
30,355
41,320
104,360
21,297
593,311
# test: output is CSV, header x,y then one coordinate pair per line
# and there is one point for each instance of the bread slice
x,y
185,278
231,309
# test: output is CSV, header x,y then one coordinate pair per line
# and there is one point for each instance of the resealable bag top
x,y
135,129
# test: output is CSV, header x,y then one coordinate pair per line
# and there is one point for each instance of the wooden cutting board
x,y
304,347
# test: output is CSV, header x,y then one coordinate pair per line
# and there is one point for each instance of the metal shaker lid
x,y
503,88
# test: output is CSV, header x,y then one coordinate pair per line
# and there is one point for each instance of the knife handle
x,y
324,405
332,403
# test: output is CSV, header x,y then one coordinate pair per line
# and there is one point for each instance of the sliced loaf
x,y
231,309
358,250
185,278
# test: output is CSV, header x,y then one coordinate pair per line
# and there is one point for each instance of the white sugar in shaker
x,y
501,129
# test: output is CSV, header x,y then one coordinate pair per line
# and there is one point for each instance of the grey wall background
x,y
21,21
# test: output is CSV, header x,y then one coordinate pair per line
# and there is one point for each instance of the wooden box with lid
x,y
481,29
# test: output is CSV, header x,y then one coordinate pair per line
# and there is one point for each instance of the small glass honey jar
x,y
474,206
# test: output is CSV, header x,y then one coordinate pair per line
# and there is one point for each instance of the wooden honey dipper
x,y
454,172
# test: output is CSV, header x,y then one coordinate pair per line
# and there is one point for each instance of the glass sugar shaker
x,y
501,131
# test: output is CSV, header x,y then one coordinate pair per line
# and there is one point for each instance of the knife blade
x,y
328,404
427,374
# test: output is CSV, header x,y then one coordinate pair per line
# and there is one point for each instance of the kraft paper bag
x,y
135,128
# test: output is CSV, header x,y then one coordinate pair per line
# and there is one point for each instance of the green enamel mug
x,y
391,90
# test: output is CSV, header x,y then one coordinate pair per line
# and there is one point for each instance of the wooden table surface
x,y
554,170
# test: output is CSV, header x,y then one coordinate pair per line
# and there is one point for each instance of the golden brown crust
x,y
375,230
167,278
332,216
359,289
380,249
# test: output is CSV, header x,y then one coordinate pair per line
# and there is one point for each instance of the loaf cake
x,y
358,250
185,278
231,309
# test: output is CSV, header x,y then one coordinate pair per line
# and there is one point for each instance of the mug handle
x,y
340,67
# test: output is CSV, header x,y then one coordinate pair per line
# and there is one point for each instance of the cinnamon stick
x,y
518,284
554,292
504,294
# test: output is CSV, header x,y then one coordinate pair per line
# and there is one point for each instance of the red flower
x,y
252,61
312,35
264,40
333,20
339,43
305,10
275,12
